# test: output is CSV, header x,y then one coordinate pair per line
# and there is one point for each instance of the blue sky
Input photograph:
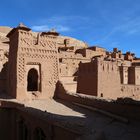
x,y
107,23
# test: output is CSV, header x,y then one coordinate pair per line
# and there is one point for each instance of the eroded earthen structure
x,y
36,61
36,66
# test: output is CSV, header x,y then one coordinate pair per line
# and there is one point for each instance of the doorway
x,y
32,80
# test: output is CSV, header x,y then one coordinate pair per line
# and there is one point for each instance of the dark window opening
x,y
32,80
101,94
60,60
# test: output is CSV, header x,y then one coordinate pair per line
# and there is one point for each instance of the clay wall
x,y
115,55
130,91
69,67
108,79
27,51
3,64
99,78
97,48
122,107
129,56
63,69
66,54
3,69
131,75
124,74
137,75
81,51
87,78
71,42
12,63
30,50
90,53
69,63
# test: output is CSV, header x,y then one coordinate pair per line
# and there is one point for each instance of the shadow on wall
x,y
62,127
3,78
59,89
26,123
126,107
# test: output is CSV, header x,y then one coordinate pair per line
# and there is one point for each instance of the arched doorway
x,y
32,80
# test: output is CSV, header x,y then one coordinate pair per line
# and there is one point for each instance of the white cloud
x,y
65,19
41,28
61,28
60,23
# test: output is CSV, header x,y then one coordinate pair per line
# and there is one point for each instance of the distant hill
x,y
3,32
5,29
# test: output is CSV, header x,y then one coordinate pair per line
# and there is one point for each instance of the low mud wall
x,y
126,107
